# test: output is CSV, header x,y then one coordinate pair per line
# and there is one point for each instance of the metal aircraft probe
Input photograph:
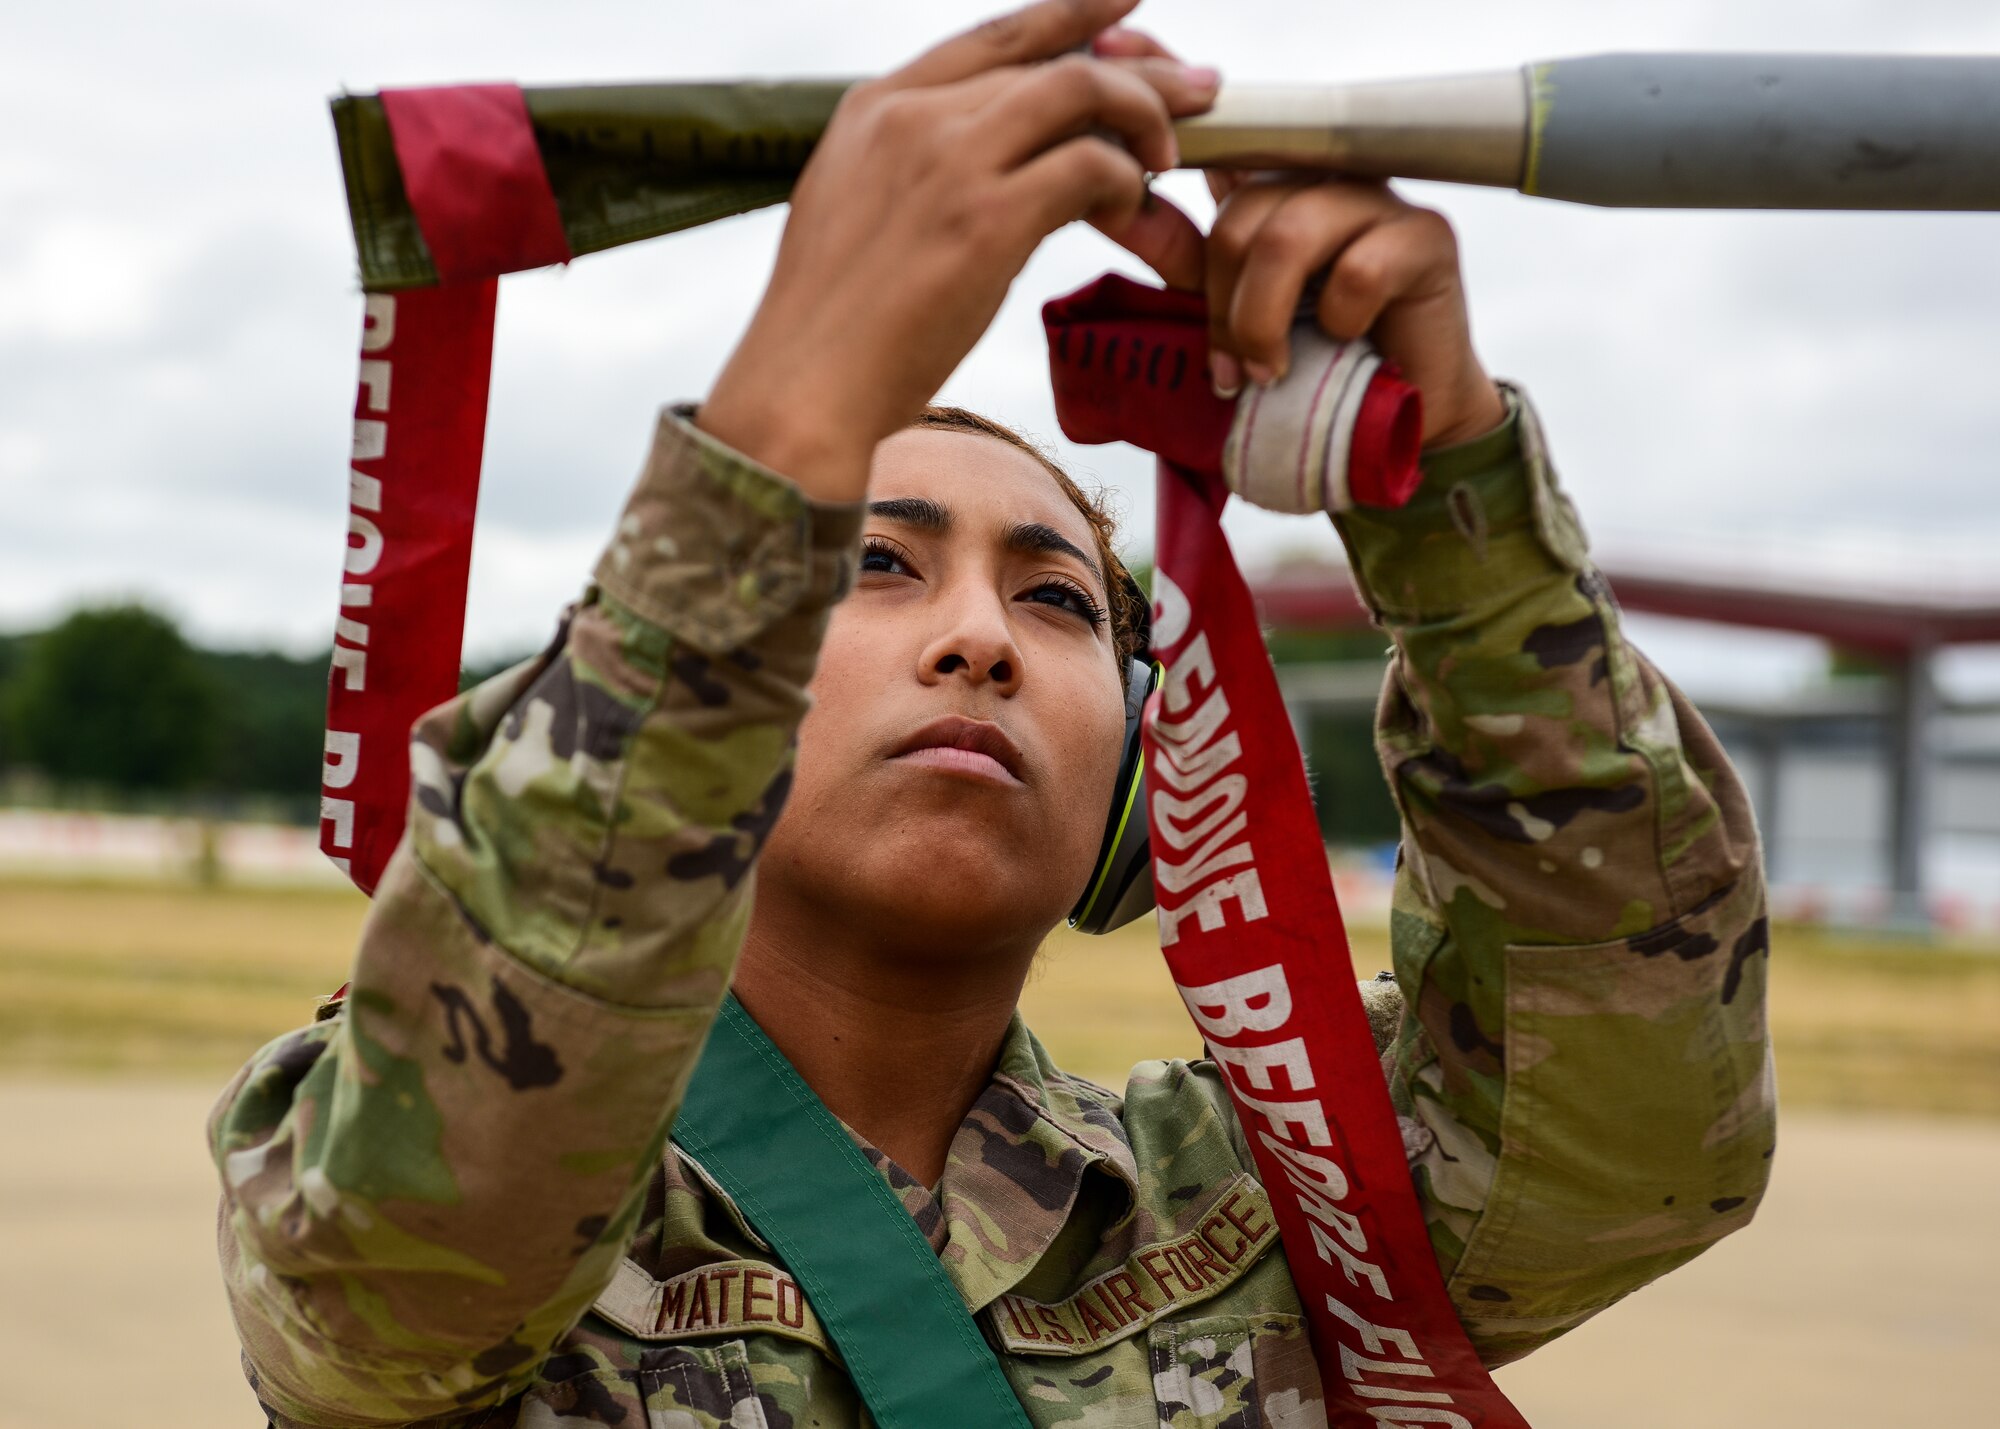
x,y
1646,131
631,161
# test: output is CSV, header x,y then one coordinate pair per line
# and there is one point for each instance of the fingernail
x,y
1204,76
1224,375
1260,373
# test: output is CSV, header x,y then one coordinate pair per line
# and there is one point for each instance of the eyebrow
x,y
919,511
1024,537
1033,538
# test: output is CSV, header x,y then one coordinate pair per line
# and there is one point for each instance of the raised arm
x,y
1580,939
1579,924
423,1192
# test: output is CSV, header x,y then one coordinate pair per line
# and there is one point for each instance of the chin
x,y
966,869
952,886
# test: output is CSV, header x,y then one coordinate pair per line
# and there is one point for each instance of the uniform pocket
x,y
583,1395
700,1387
1204,1374
706,1386
1636,1126
1289,1392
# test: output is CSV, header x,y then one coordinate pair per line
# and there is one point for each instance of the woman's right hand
x,y
922,201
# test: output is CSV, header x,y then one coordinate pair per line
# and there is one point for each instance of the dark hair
x,y
1122,600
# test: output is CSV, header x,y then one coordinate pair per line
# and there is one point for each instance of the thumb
x,y
1165,239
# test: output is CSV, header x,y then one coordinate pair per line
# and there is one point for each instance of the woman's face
x,y
955,770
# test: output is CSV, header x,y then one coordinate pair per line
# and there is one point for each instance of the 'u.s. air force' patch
x,y
729,1297
1155,1280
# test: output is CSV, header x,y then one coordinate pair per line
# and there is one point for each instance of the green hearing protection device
x,y
1121,884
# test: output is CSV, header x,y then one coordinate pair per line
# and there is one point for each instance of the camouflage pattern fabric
x,y
455,1202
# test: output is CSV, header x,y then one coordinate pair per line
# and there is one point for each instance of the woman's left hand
x,y
1390,272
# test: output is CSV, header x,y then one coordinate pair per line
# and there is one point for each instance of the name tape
x,y
729,1297
1154,1281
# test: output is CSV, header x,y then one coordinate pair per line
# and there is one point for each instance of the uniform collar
x,y
1038,1148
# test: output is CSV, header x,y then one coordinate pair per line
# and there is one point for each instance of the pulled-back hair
x,y
1122,604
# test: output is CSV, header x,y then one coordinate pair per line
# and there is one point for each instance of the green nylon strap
x,y
903,1330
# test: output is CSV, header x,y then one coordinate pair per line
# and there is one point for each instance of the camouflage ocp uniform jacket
x,y
457,1203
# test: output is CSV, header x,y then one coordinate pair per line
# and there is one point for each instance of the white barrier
x,y
64,844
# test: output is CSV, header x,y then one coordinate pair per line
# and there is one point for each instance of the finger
x,y
1305,233
1391,261
1073,96
1164,238
1224,182
1034,32
1229,237
1084,178
1187,89
1122,43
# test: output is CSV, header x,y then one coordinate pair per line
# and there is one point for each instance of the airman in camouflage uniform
x,y
456,1202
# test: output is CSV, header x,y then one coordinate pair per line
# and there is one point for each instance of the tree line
x,y
115,703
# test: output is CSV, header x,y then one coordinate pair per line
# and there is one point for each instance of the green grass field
x,y
188,982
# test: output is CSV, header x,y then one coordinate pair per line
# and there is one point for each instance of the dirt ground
x,y
1862,1296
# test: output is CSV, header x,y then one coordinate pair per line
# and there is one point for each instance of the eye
x,y
881,557
1067,595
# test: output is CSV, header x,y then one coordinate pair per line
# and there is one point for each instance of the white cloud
x,y
77,280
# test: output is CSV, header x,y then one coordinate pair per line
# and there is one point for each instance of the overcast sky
x,y
1804,394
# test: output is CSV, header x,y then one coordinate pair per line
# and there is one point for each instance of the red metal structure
x,y
1902,629
1890,626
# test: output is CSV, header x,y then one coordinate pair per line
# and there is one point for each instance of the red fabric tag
x,y
1382,467
1129,363
1248,919
419,429
475,179
482,200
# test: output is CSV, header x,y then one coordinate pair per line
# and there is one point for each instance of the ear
x,y
1121,881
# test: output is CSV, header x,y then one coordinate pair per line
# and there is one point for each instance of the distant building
x,y
1879,799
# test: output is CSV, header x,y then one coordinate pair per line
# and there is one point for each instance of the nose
x,y
975,644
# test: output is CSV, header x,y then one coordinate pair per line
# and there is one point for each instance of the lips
x,y
956,745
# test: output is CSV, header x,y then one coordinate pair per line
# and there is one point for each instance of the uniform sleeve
x,y
421,1194
1579,923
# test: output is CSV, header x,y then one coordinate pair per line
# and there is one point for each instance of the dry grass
x,y
129,978
1101,1004
1861,1023
113,978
